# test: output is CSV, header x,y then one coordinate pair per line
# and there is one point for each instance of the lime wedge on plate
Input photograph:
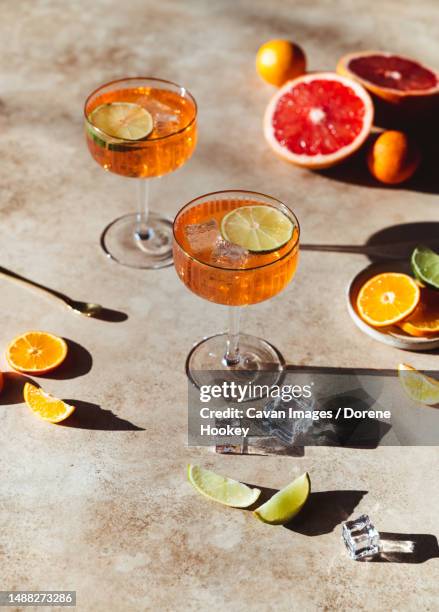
x,y
418,386
221,489
286,503
425,266
122,120
257,228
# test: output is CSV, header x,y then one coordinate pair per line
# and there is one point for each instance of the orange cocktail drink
x,y
235,248
168,146
140,128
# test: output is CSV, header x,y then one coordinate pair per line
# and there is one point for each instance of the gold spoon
x,y
88,309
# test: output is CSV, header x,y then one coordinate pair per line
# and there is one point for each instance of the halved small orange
x,y
425,319
386,299
45,405
36,352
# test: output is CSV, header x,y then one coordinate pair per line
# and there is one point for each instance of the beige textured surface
x,y
108,513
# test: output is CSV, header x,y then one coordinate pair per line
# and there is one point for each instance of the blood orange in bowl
x,y
317,120
393,78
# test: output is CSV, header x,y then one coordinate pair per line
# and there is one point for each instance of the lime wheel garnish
x,y
122,120
257,228
317,120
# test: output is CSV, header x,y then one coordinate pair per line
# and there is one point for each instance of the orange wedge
x,y
425,319
36,352
45,405
388,298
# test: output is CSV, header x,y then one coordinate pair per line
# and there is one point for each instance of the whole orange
x,y
393,158
279,61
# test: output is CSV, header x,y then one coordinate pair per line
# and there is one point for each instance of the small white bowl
x,y
396,337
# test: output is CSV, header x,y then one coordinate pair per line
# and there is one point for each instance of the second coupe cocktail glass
x,y
224,272
140,128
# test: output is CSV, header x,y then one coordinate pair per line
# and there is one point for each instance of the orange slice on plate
x,y
425,319
45,405
387,299
36,352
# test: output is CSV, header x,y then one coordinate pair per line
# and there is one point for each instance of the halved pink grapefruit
x,y
319,119
393,78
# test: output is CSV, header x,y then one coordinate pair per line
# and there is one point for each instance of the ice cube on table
x,y
202,236
228,255
361,538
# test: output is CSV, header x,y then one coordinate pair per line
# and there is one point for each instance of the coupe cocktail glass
x,y
225,273
143,239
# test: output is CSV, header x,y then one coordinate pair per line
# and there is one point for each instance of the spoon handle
x,y
396,250
41,289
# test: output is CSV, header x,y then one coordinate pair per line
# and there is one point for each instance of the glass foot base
x,y
260,362
123,244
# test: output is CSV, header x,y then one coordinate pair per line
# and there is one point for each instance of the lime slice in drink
x,y
419,387
221,489
257,228
286,503
122,120
425,266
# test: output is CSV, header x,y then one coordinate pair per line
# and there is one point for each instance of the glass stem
x,y
232,356
143,232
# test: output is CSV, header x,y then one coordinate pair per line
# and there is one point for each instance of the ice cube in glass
x,y
228,255
202,236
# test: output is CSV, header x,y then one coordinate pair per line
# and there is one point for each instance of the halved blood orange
x,y
425,319
393,78
386,299
319,119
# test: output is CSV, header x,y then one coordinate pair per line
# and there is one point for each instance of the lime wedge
x,y
286,503
425,266
257,228
419,387
221,489
122,120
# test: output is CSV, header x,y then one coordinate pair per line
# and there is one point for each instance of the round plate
x,y
394,337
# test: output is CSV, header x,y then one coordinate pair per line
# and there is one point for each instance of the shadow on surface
x,y
13,383
406,548
92,416
325,510
110,315
266,493
410,234
354,432
101,313
77,363
395,242
322,512
343,387
355,171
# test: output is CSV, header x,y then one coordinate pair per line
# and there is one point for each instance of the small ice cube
x,y
202,236
161,111
165,118
361,538
228,255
